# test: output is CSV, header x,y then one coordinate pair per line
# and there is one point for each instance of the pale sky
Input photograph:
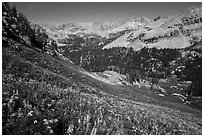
x,y
64,12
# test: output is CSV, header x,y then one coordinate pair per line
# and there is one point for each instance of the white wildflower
x,y
53,101
51,131
30,114
35,121
55,120
45,121
70,129
50,121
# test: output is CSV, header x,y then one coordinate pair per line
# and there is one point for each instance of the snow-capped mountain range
x,y
172,32
102,28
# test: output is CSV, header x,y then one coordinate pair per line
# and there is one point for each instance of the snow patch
x,y
109,77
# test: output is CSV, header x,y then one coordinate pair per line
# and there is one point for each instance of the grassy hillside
x,y
46,95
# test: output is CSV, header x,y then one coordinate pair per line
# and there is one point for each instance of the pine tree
x,y
14,11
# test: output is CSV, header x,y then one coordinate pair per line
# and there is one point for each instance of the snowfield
x,y
109,77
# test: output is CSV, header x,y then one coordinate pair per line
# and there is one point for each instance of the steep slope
x,y
175,43
41,91
182,16
32,76
44,94
120,42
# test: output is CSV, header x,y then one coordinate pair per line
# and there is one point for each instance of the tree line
x,y
16,26
149,62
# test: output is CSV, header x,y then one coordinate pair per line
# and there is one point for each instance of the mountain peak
x,y
141,20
